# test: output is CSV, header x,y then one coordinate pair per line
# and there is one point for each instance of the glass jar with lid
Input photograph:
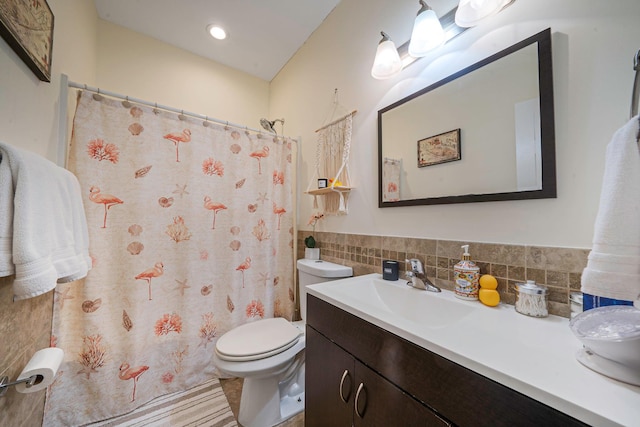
x,y
531,299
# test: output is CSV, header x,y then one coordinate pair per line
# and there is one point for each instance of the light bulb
x,y
427,34
217,32
387,62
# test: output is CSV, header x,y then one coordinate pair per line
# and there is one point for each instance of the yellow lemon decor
x,y
488,294
487,281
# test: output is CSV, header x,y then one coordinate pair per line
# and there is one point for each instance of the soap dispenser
x,y
466,275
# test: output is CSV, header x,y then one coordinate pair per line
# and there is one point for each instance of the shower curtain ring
x,y
206,121
97,96
126,103
182,116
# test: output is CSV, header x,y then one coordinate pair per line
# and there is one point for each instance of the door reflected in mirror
x,y
485,133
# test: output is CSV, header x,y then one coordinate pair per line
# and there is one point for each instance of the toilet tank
x,y
312,271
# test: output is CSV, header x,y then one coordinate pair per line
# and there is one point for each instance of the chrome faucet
x,y
419,279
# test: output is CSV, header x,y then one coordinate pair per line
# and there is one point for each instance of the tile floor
x,y
233,390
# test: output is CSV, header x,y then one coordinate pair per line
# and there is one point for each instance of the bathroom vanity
x,y
381,353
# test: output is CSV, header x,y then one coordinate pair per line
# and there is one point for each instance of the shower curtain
x,y
191,234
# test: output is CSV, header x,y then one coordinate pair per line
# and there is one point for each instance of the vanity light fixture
x,y
387,62
427,32
217,32
430,32
471,12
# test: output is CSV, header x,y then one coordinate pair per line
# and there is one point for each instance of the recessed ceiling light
x,y
217,32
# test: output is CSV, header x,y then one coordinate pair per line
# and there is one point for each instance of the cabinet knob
x,y
345,374
360,389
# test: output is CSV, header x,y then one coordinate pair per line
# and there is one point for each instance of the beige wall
x,y
141,67
594,43
29,107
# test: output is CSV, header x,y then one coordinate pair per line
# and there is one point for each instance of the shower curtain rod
x,y
159,106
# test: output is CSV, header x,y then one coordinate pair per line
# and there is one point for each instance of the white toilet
x,y
269,355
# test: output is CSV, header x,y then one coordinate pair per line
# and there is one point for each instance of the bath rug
x,y
203,405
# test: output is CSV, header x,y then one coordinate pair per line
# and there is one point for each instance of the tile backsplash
x,y
559,269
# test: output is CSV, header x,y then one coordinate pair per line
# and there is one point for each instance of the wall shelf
x,y
329,190
332,165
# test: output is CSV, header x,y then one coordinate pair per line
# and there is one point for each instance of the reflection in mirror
x,y
485,133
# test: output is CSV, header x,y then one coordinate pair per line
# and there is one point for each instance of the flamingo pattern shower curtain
x,y
191,234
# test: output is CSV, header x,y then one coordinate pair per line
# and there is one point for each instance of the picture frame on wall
x,y
441,148
27,26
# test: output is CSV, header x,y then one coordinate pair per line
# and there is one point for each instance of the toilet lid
x,y
257,340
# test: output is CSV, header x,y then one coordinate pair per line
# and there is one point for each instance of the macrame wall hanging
x,y
331,181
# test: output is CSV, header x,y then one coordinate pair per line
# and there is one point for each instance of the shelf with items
x,y
329,190
332,163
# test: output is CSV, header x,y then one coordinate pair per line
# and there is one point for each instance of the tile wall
x,y
559,269
25,327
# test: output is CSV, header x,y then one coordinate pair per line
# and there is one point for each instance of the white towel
x,y
43,229
613,267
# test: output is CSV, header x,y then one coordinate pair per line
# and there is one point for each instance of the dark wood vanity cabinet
x,y
344,392
324,383
402,384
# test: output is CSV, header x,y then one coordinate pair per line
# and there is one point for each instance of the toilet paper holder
x,y
31,381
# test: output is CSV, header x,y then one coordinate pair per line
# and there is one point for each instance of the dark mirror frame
x,y
547,129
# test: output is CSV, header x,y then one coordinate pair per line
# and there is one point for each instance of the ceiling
x,y
262,35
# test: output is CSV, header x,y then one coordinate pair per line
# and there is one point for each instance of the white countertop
x,y
535,356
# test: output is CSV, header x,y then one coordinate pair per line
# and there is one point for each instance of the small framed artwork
x,y
323,182
441,148
27,26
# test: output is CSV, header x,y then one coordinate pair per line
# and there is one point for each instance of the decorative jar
x,y
531,299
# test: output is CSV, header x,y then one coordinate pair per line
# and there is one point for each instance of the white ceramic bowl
x,y
612,332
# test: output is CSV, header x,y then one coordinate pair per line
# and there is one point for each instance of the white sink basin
x,y
428,309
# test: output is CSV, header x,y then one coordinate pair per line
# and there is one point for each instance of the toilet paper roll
x,y
44,364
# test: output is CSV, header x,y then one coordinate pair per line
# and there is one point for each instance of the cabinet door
x,y
380,403
329,383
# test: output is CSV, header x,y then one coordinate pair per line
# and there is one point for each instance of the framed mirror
x,y
485,133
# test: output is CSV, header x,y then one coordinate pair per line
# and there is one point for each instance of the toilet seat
x,y
257,340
